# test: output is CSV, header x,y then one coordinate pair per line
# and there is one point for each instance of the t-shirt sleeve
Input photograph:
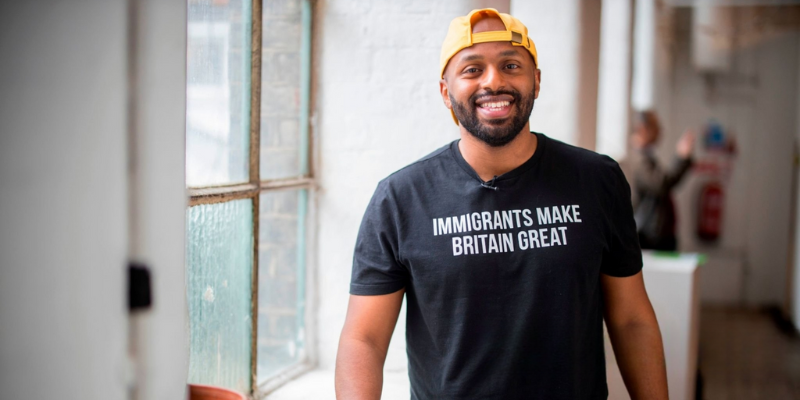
x,y
623,256
376,266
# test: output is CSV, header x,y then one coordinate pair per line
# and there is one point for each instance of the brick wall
x,y
377,109
281,331
280,88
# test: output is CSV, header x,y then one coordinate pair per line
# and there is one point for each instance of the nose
x,y
493,79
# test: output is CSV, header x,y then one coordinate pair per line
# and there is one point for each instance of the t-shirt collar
x,y
514,173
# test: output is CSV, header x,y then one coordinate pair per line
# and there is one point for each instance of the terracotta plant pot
x,y
205,392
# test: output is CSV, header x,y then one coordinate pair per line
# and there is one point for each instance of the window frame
x,y
255,186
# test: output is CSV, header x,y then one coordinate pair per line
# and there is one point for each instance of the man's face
x,y
491,87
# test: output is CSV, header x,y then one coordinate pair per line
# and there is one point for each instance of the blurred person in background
x,y
510,248
651,184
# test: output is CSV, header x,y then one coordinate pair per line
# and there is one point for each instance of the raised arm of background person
x,y
657,181
635,336
363,344
652,179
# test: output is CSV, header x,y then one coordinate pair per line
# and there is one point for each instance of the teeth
x,y
499,104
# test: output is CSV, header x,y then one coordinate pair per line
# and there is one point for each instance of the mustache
x,y
489,92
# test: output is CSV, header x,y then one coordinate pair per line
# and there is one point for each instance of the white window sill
x,y
318,384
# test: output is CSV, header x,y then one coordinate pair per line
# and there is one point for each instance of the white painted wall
x,y
377,109
63,202
772,162
756,100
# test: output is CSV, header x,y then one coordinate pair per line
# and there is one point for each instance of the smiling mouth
x,y
494,109
494,106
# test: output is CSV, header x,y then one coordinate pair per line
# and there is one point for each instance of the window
x,y
248,174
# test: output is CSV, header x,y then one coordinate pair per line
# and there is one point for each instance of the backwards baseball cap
x,y
460,36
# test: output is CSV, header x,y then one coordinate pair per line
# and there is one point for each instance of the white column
x,y
653,65
613,100
644,42
567,37
158,196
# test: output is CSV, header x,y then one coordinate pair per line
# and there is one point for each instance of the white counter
x,y
671,282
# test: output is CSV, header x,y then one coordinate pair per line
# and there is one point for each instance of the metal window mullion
x,y
306,167
254,298
255,177
305,86
289,183
221,194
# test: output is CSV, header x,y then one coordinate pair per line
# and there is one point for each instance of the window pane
x,y
219,276
218,92
281,281
283,145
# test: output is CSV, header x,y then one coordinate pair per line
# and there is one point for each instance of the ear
x,y
445,93
537,81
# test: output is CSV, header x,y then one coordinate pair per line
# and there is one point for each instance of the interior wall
x,y
773,159
63,200
756,102
377,109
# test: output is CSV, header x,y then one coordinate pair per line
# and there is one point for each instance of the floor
x,y
318,385
745,355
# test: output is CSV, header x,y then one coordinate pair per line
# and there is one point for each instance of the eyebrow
x,y
473,57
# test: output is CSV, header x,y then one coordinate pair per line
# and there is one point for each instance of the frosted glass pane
x,y
281,144
219,276
218,92
281,281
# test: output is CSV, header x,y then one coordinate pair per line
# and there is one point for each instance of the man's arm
x,y
363,345
635,336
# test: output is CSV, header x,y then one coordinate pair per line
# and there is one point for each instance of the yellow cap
x,y
460,36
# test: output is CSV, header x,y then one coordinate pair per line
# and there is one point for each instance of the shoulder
x,y
585,160
595,173
418,171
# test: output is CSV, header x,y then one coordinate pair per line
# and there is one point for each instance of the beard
x,y
495,132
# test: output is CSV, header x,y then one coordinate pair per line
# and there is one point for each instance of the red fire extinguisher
x,y
709,218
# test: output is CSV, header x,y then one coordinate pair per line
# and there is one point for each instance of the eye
x,y
512,66
471,70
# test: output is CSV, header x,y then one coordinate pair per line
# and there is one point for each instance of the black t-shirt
x,y
502,278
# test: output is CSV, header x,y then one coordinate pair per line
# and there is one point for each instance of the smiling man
x,y
509,246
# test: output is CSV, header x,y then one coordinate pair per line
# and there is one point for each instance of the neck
x,y
488,161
